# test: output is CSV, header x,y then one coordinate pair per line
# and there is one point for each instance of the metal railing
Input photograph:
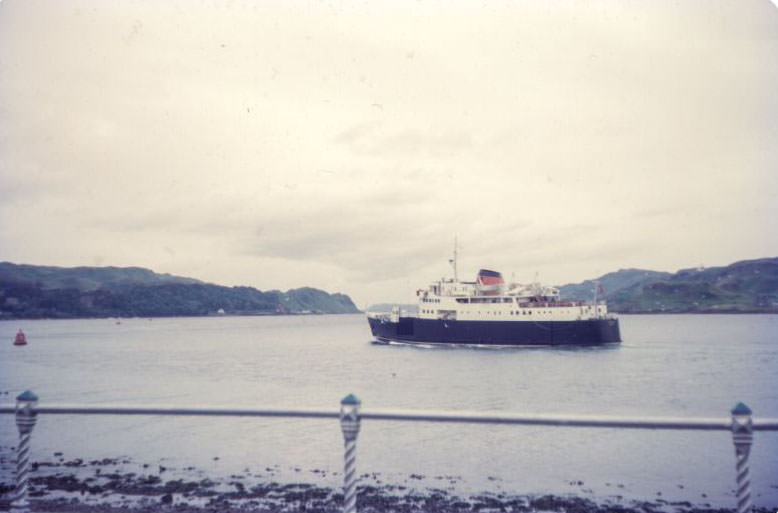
x,y
740,423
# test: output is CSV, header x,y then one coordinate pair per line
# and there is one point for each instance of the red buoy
x,y
21,339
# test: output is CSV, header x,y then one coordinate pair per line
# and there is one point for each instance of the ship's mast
x,y
453,261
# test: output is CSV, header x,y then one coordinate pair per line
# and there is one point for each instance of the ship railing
x,y
740,423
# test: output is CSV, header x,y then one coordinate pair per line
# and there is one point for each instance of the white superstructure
x,y
451,299
489,298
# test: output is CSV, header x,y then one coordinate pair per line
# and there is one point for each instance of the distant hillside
x,y
612,283
86,278
28,291
747,286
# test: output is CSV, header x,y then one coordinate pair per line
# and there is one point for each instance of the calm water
x,y
679,365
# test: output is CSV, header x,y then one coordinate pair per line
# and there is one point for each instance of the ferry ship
x,y
489,311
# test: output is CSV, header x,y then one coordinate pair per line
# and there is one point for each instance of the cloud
x,y
373,139
279,147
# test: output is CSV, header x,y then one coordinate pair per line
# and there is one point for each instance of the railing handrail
x,y
741,424
461,416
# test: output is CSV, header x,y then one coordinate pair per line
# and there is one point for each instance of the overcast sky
x,y
343,145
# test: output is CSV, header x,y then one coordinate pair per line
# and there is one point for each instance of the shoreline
x,y
106,486
364,312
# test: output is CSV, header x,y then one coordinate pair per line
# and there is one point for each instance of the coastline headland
x,y
39,292
46,292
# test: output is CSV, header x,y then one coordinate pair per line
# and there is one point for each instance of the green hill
x,y
746,286
28,291
86,278
612,283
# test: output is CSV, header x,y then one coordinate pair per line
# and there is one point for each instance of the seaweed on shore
x,y
64,488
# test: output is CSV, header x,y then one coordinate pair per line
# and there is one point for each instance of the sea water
x,y
667,365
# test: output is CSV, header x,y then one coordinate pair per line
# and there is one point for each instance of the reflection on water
x,y
494,347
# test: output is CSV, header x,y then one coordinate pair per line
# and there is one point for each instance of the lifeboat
x,y
20,339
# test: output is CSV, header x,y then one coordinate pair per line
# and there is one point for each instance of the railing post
x,y
25,421
743,437
349,424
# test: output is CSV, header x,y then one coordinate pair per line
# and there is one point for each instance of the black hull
x,y
502,333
